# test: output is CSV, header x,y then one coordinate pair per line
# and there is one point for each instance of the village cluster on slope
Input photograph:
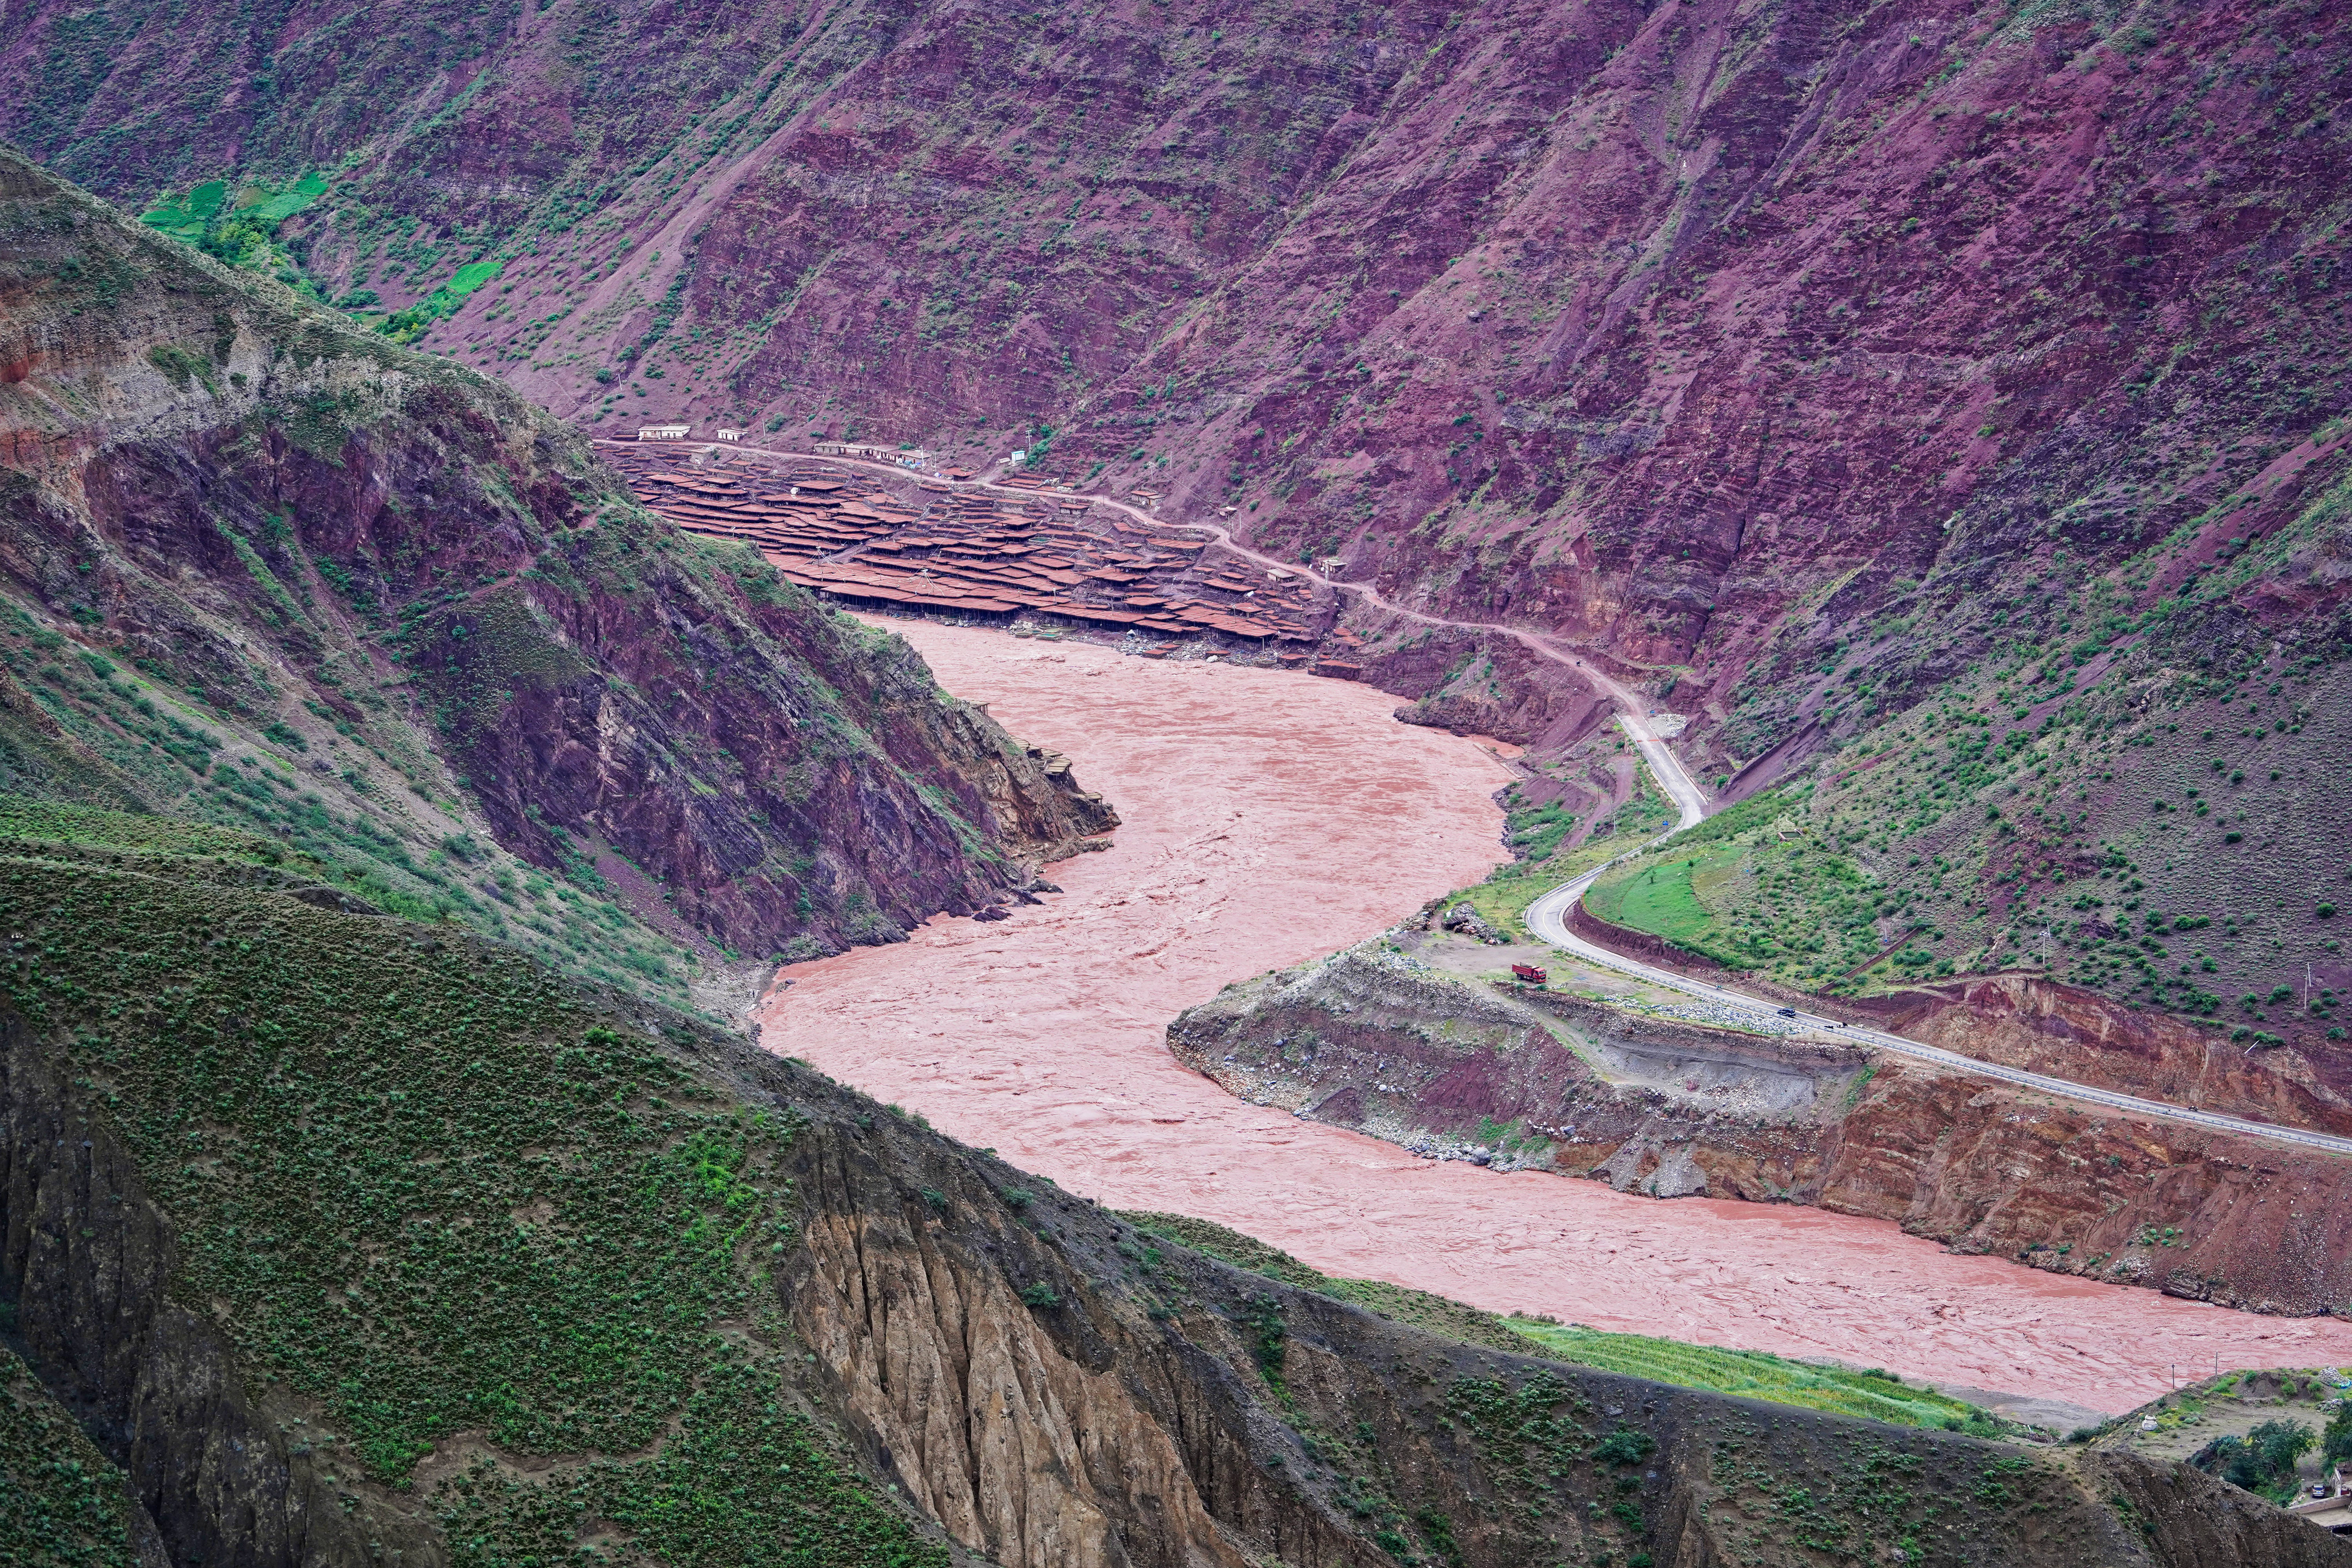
x,y
1046,558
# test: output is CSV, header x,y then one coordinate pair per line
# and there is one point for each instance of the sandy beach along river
x,y
1273,817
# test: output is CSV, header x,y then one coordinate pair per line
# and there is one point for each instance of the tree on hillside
x,y
2336,1446
2264,1459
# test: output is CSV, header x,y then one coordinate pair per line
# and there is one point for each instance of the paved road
x,y
1547,915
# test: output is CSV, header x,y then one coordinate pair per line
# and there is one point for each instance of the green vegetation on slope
x,y
1535,835
133,735
435,1189
1419,1308
1659,898
2134,790
1753,887
2165,836
1756,1374
1750,1375
236,223
496,692
2263,1460
63,1504
241,229
407,325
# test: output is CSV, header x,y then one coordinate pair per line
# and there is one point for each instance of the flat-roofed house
x,y
663,432
905,457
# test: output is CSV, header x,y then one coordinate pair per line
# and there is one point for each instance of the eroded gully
x,y
1271,817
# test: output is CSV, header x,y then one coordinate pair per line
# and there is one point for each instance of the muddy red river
x,y
1270,817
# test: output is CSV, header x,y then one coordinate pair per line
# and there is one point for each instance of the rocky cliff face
x,y
407,606
1674,1107
718,1310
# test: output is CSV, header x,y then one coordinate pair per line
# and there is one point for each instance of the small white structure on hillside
x,y
905,457
663,432
726,435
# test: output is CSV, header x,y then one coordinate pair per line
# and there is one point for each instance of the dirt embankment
x,y
1549,1081
2025,1020
2043,1025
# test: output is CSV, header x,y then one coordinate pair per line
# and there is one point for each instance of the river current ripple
x,y
1271,817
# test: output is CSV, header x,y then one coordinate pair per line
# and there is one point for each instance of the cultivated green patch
x,y
1751,1374
1756,1374
237,224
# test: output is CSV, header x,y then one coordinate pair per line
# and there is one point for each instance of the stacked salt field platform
x,y
1039,555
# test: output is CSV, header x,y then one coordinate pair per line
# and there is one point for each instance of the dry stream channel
x,y
1271,817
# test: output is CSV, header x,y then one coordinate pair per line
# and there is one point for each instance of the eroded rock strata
x,y
1644,326
1535,1079
412,599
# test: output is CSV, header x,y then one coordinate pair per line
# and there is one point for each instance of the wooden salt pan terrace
x,y
842,535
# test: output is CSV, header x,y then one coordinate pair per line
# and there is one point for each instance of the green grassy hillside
x,y
261,569
432,1187
1750,1375
2138,793
1758,888
1756,1374
2156,813
63,1504
124,733
1537,836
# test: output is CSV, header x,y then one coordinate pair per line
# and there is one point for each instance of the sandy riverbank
x,y
1271,816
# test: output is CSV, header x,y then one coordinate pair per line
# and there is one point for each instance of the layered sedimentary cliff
x,y
1531,1079
399,596
717,1309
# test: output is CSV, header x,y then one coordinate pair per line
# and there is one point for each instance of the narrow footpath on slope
x,y
1547,915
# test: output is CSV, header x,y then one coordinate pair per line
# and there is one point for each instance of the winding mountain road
x,y
1547,915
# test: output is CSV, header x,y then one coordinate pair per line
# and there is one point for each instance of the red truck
x,y
1528,972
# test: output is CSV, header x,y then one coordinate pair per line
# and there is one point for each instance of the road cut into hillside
x,y
1271,816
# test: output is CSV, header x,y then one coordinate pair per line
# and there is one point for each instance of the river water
x,y
1271,817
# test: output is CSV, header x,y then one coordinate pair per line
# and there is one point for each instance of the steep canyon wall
x,y
411,601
